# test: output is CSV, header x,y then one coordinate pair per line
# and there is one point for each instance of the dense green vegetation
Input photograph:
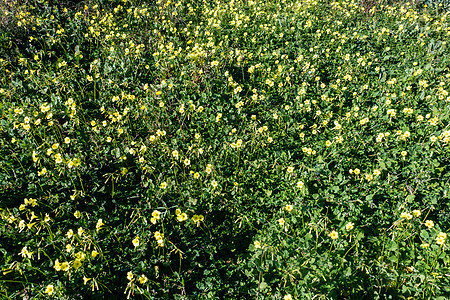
x,y
224,150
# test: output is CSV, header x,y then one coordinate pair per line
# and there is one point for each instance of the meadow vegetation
x,y
242,149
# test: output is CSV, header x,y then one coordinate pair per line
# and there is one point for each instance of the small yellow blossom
x,y
143,279
333,235
406,215
349,226
136,241
289,207
99,225
197,219
130,276
429,223
49,289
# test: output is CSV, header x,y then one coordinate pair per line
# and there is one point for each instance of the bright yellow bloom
x,y
429,223
289,207
130,276
156,214
136,241
257,244
442,235
197,219
49,289
349,226
80,231
333,235
182,217
99,224
76,264
143,279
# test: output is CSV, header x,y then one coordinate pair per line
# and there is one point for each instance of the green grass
x,y
234,150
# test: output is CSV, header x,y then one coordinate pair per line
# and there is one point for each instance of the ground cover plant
x,y
224,149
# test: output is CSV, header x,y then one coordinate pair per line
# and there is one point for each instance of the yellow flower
x,y
163,185
406,215
416,212
257,244
99,224
197,219
156,214
440,240
300,184
333,235
143,279
80,231
25,252
94,253
425,245
65,266
349,226
76,264
77,214
49,289
182,217
57,265
287,297
290,169
130,276
429,223
442,235
136,241
281,221
289,207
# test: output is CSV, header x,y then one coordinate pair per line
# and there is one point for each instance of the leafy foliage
x,y
207,150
